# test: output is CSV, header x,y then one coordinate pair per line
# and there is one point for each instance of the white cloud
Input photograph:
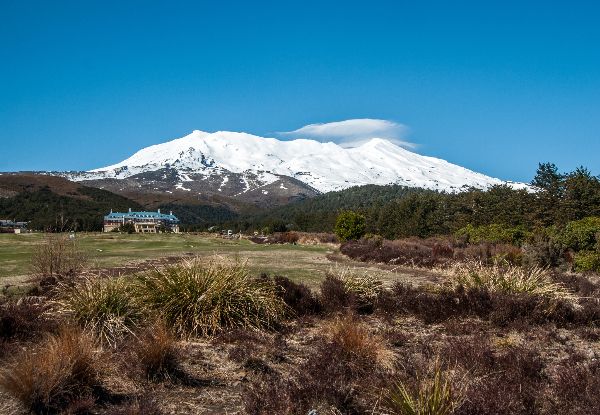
x,y
351,133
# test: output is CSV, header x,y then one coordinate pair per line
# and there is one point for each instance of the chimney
x,y
129,210
158,210
171,213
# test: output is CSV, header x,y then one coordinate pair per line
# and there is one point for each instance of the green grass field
x,y
306,263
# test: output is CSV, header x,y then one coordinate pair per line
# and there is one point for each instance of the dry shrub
x,y
105,306
574,388
347,288
342,374
314,238
283,238
142,405
428,253
297,296
506,380
53,374
158,354
25,318
502,309
57,256
197,297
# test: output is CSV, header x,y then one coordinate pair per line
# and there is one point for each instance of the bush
x,y
57,255
581,235
494,233
52,375
338,376
347,288
297,296
105,306
197,298
587,261
350,225
283,238
25,318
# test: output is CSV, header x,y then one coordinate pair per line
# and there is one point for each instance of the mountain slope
x,y
54,203
240,164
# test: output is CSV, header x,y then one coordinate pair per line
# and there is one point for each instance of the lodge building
x,y
143,222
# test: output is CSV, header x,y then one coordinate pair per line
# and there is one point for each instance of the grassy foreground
x,y
306,263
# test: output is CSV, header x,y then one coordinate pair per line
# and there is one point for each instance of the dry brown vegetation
x,y
493,338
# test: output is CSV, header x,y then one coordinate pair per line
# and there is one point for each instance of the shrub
x,y
105,306
587,261
348,288
543,249
25,318
435,396
350,225
142,405
53,374
340,375
574,388
298,297
494,233
201,298
158,354
57,255
580,235
283,238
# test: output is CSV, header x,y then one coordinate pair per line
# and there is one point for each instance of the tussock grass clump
x,y
105,306
434,396
52,375
202,298
508,279
157,352
355,344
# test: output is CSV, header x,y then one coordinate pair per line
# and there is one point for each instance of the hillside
x,y
50,202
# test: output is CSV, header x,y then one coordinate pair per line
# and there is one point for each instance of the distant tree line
x,y
396,211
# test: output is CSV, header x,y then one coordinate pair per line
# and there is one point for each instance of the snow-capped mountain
x,y
238,163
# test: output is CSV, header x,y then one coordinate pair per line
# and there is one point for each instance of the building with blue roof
x,y
143,222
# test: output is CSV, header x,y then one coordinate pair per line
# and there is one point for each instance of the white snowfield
x,y
324,166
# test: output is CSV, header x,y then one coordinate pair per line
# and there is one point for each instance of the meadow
x,y
129,252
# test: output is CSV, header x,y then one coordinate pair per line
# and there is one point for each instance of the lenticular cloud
x,y
351,133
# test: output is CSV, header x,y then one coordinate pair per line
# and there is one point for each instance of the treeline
x,y
319,214
48,211
394,211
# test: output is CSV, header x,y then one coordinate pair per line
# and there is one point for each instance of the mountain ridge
x,y
255,162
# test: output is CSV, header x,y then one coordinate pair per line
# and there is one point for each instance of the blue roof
x,y
141,215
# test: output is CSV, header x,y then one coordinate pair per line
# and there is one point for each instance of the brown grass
x,y
157,352
51,375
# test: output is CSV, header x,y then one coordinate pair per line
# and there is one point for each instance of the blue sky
x,y
494,86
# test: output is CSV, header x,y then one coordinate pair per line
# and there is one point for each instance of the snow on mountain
x,y
323,166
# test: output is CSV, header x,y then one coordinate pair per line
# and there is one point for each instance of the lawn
x,y
307,263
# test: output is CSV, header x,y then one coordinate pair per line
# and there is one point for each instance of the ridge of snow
x,y
323,166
